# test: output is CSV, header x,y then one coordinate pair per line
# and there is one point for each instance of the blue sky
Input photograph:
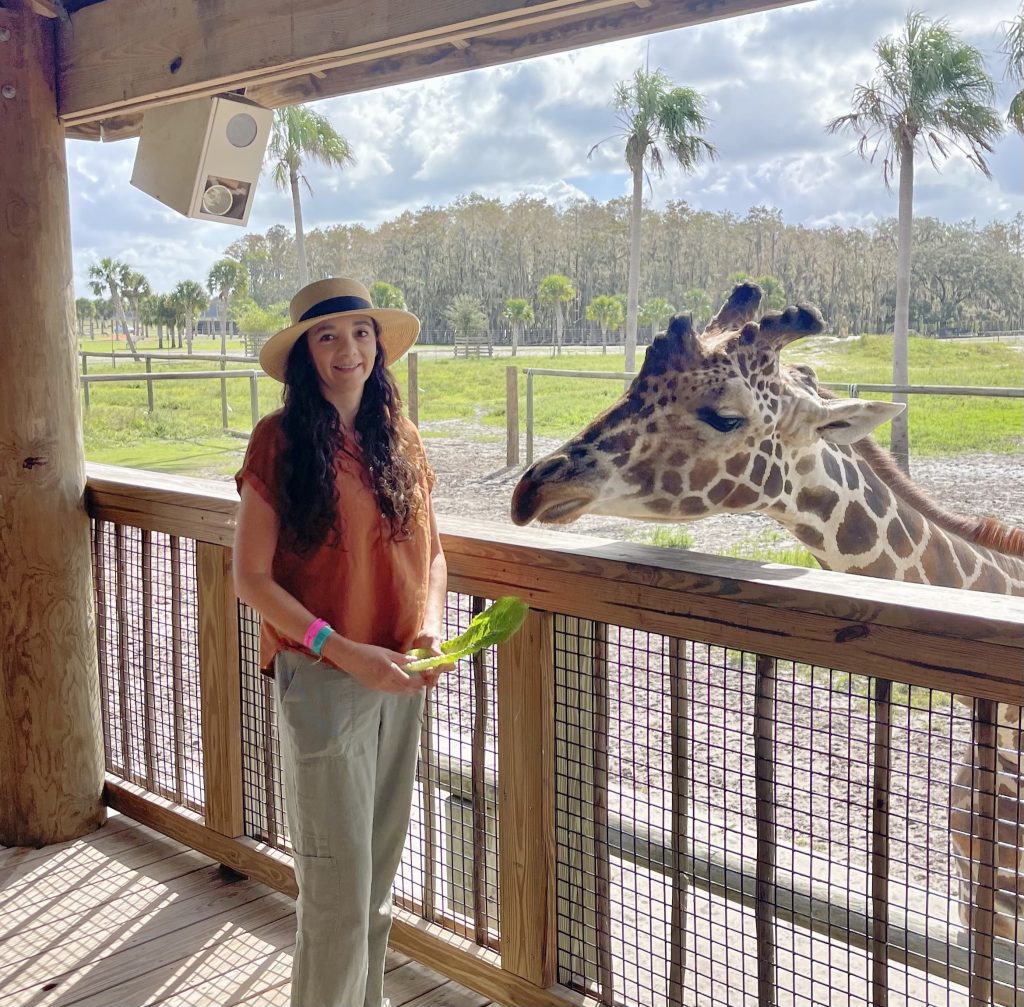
x,y
771,80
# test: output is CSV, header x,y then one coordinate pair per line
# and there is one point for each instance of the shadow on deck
x,y
127,917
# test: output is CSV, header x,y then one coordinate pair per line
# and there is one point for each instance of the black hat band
x,y
335,304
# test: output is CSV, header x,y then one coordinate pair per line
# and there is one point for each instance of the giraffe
x,y
714,423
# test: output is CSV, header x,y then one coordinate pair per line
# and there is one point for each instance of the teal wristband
x,y
320,639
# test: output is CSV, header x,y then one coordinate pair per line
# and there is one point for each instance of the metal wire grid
x,y
449,872
147,633
449,869
262,789
737,830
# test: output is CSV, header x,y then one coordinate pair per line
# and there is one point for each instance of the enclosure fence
x,y
686,781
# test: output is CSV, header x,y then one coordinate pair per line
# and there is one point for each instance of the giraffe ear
x,y
844,421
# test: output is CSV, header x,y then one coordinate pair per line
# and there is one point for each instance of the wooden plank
x,y
526,801
159,918
455,957
464,962
220,690
911,633
243,855
21,854
125,850
177,962
917,634
120,57
78,918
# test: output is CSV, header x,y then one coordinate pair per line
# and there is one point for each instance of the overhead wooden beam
x,y
120,57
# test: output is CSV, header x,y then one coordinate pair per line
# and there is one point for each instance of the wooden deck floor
x,y
127,917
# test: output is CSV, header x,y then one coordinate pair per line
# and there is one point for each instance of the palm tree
x,y
466,318
1013,49
607,312
554,291
300,134
656,312
386,295
654,114
85,309
191,300
111,274
135,287
227,277
518,313
931,91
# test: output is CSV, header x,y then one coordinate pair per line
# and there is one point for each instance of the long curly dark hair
x,y
313,437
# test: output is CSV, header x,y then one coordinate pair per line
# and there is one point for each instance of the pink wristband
x,y
314,627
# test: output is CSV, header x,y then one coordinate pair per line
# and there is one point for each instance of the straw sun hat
x,y
316,302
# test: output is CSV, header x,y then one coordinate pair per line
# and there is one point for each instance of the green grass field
x,y
184,432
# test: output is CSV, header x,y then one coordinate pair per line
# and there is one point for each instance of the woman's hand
x,y
431,642
374,667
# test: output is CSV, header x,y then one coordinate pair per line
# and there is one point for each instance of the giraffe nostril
x,y
548,468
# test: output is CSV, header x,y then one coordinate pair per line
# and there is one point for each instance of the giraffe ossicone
x,y
715,423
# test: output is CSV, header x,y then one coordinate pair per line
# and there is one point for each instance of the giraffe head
x,y
712,423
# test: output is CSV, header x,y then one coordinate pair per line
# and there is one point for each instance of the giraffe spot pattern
x,y
938,562
832,467
896,536
817,500
720,490
737,464
809,535
773,485
677,459
857,532
672,482
757,470
806,464
691,506
852,479
742,496
876,496
702,473
660,505
642,476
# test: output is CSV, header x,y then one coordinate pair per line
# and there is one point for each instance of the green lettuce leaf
x,y
495,624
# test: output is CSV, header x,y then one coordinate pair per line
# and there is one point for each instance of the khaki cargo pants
x,y
348,757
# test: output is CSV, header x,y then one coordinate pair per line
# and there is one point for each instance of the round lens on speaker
x,y
241,130
217,199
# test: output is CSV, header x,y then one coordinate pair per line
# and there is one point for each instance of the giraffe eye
x,y
723,423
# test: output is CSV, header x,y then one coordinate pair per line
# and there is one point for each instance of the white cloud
x,y
772,80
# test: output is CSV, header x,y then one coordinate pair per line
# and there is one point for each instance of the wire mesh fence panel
x,y
732,829
448,873
147,636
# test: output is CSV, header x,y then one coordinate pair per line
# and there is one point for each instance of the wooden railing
x,y
890,633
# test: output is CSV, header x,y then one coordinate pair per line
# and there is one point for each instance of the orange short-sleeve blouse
x,y
370,586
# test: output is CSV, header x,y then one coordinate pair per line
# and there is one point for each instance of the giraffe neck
x,y
853,520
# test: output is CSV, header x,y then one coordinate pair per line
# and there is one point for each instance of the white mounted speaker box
x,y
203,157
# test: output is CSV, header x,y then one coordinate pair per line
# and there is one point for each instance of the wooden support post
x,y
512,416
220,689
149,385
51,743
526,801
413,403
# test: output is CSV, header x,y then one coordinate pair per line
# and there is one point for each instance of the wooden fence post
x,y
526,801
220,689
413,404
511,416
149,384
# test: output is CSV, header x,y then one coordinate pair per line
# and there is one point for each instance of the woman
x,y
337,548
